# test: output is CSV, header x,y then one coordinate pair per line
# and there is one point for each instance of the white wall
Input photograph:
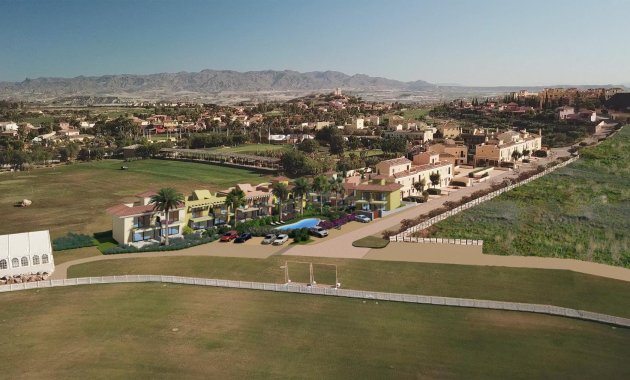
x,y
28,245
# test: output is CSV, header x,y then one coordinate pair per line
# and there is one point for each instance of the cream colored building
x,y
407,173
138,221
458,151
499,148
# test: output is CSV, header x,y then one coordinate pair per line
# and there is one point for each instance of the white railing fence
x,y
405,235
361,294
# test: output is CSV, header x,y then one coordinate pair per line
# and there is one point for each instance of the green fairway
x,y
178,331
581,211
561,288
75,197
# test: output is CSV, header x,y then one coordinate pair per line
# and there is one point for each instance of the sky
x,y
476,43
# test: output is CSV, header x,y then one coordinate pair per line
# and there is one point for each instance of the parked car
x,y
362,218
281,239
269,239
229,236
318,231
242,238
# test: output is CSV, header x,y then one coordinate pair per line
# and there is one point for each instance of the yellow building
x,y
373,195
204,210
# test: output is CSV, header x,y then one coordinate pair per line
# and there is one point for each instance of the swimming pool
x,y
304,223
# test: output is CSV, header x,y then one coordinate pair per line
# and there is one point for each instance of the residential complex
x,y
501,147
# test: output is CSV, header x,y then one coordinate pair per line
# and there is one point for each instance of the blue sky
x,y
484,42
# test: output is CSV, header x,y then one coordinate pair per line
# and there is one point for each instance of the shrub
x,y
433,191
458,183
187,230
176,244
72,240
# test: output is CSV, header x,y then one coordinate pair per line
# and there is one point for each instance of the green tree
x,y
281,192
516,155
308,146
337,144
419,186
320,186
165,200
301,187
434,178
335,186
234,199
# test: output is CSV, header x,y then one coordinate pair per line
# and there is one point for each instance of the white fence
x,y
405,235
411,239
361,294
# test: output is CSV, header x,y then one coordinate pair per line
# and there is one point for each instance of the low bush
x,y
458,183
433,191
72,240
299,235
175,245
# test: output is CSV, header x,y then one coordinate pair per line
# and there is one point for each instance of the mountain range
x,y
199,83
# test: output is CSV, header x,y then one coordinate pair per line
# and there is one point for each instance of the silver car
x,y
281,239
269,239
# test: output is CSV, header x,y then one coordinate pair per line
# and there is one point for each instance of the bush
x,y
175,245
187,230
433,191
458,183
72,240
299,235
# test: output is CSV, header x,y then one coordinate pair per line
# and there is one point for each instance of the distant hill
x,y
167,85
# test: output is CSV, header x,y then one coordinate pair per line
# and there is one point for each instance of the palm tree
x,y
320,186
336,186
234,199
301,187
165,200
281,192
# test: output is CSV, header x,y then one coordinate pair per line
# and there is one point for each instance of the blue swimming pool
x,y
304,223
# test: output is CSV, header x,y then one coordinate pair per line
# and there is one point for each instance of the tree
x,y
526,152
516,155
165,200
301,187
234,199
308,146
335,185
281,192
435,178
337,144
320,186
419,186
394,145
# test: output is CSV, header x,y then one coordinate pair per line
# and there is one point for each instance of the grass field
x,y
75,197
253,148
168,331
561,288
416,112
581,211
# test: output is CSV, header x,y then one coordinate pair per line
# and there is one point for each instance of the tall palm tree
x,y
281,192
335,185
320,186
165,200
234,199
301,187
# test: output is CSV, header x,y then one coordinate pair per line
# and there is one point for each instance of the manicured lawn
x,y
371,242
75,254
581,211
75,197
561,288
178,331
370,152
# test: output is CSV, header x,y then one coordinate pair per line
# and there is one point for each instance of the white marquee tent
x,y
26,253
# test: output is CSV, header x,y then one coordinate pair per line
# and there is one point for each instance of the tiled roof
x,y
123,210
146,194
396,161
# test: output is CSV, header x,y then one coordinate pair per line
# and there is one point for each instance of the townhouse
x,y
499,147
374,194
205,210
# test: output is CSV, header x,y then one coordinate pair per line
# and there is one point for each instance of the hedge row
x,y
175,244
72,240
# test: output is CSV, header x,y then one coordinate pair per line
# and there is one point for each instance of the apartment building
x,y
139,221
407,173
373,194
458,152
205,210
500,147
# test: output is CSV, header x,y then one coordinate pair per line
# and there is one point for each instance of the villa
x,y
205,210
375,195
500,147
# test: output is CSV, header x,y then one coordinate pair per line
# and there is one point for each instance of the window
x,y
44,259
35,260
173,231
15,263
142,221
3,264
24,261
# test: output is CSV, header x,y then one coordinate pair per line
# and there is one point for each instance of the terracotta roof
x,y
146,194
396,161
372,186
123,210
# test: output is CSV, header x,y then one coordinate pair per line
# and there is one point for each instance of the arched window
x,y
44,259
35,260
24,261
3,264
15,262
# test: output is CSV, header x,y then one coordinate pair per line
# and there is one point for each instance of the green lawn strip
x,y
561,288
74,254
581,211
371,242
198,332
